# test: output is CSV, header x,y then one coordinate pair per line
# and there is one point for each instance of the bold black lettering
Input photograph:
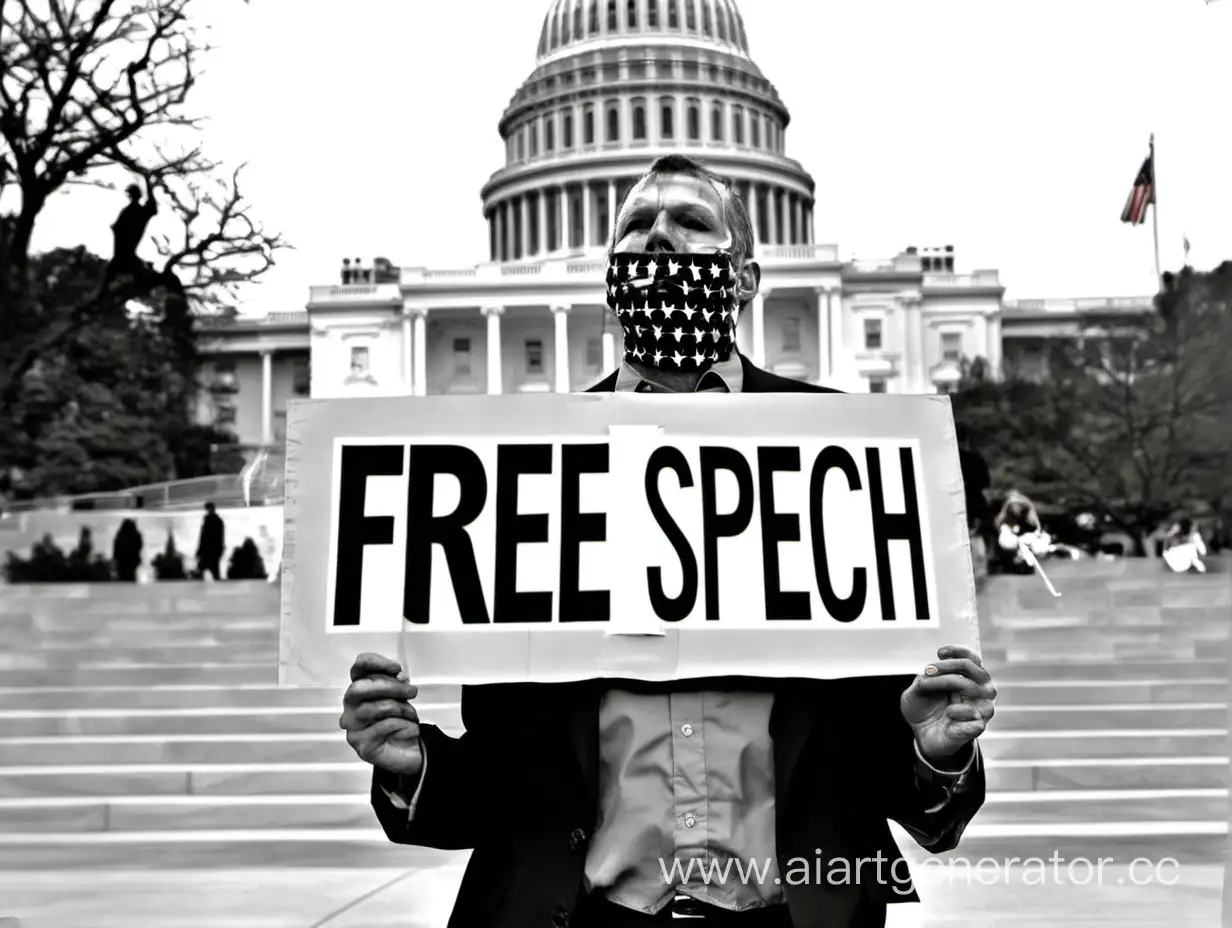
x,y
355,530
715,526
670,610
848,609
513,529
423,530
899,526
776,527
576,527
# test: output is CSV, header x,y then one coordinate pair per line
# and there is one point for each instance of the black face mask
x,y
677,311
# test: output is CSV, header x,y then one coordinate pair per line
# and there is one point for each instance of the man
x,y
211,543
128,230
586,802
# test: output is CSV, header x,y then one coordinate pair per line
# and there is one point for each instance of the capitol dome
x,y
617,83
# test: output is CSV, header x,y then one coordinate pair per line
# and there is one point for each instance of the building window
x,y
549,134
695,121
639,120
613,122
611,16
631,14
721,18
594,353
565,35
225,414
716,122
224,377
666,129
951,346
673,14
462,357
652,14
876,385
521,145
690,16
755,129
577,20
534,356
359,361
872,334
594,17
791,335
301,377
588,125
706,26
738,125
552,43
566,135
534,139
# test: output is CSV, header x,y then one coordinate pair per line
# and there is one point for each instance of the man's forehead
x,y
676,188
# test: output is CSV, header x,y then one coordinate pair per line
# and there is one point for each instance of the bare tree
x,y
89,88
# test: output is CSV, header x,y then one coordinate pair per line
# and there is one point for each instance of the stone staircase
x,y
143,726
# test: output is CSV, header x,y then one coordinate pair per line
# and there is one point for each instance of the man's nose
x,y
660,237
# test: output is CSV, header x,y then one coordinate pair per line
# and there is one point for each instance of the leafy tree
x,y
1130,420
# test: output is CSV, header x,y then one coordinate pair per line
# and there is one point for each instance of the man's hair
x,y
209,507
735,213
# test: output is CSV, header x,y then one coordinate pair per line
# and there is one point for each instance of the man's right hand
x,y
381,724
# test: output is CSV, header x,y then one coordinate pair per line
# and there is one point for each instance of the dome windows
x,y
755,130
738,125
720,16
639,120
566,141
707,25
555,39
588,124
613,121
577,19
549,134
690,16
592,26
631,15
667,113
565,34
612,25
652,14
716,122
694,119
673,14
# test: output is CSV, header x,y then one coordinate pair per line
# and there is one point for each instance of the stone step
x,y
999,744
1077,773
70,624
1077,692
157,655
108,674
350,776
1093,805
201,696
134,638
1108,716
1086,669
308,747
208,720
1095,652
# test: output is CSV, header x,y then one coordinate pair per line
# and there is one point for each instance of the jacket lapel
x,y
791,722
583,724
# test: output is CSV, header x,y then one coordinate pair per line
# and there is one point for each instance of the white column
x,y
566,231
560,347
609,351
754,214
408,361
994,343
611,207
419,315
838,350
823,335
799,214
494,348
587,219
267,397
759,328
524,208
772,221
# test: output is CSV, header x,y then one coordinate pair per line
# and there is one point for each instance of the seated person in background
x,y
1184,548
1017,522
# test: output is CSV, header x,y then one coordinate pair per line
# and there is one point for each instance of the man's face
x,y
672,213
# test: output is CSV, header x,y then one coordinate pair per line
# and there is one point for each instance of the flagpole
x,y
1155,212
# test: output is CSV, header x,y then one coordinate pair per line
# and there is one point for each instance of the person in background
x,y
1184,548
211,543
126,551
1017,519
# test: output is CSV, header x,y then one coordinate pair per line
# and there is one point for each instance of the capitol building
x,y
615,84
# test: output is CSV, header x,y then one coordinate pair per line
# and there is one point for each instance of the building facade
x,y
615,84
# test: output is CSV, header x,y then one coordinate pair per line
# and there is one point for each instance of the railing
x,y
977,279
799,252
265,489
521,270
356,292
587,267
438,275
1141,304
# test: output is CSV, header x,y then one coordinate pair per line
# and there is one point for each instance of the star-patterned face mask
x,y
677,311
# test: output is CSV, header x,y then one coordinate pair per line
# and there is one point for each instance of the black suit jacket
x,y
520,787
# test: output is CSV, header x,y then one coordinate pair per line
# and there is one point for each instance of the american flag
x,y
1141,196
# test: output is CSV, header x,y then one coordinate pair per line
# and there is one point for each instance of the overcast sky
x,y
1011,130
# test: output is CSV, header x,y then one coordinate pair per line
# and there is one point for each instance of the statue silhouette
x,y
128,230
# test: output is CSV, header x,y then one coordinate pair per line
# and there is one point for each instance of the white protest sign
x,y
501,539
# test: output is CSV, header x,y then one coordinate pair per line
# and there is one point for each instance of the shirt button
x,y
686,730
689,821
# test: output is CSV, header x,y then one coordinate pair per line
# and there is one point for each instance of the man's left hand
x,y
949,705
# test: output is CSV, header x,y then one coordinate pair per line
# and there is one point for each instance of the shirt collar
x,y
723,376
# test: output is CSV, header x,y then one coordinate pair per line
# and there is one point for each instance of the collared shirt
x,y
686,775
